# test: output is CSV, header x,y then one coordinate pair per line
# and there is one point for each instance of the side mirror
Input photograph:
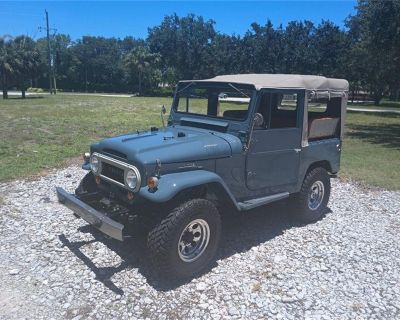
x,y
258,120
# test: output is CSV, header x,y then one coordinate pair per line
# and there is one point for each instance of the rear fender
x,y
171,184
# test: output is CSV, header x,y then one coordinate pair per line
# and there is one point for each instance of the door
x,y
274,154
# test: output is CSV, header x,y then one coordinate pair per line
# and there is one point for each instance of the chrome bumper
x,y
91,215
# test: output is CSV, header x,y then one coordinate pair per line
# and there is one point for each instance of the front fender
x,y
170,185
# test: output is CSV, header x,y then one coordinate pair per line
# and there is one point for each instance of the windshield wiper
x,y
238,90
184,88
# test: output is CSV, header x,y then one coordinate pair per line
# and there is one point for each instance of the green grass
x,y
371,150
42,133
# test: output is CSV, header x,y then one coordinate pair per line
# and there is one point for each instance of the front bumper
x,y
95,218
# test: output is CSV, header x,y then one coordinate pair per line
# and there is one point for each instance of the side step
x,y
254,203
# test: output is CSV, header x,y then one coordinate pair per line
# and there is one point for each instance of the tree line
x,y
366,52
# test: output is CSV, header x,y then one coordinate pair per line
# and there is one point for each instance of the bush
x,y
160,92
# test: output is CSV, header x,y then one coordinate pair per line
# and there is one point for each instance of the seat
x,y
320,128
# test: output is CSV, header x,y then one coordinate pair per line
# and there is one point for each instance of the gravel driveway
x,y
345,266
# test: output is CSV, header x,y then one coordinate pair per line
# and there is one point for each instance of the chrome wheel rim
x,y
193,240
316,195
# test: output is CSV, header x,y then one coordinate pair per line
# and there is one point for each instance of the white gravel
x,y
345,266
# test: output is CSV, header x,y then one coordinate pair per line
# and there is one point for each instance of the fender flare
x,y
326,164
170,185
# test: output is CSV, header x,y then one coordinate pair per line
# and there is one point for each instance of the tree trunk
x,y
378,95
140,83
86,78
23,94
4,85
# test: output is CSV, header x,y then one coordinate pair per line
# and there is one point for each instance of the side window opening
x,y
324,118
283,111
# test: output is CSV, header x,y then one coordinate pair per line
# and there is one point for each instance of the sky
x,y
133,18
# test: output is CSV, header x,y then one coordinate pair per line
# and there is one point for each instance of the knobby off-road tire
x,y
87,184
310,203
189,223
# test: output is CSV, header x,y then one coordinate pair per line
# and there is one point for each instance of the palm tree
x,y
142,62
6,69
25,62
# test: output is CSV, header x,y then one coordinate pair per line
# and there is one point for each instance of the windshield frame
x,y
204,85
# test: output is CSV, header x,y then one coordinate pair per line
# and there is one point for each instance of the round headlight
x,y
94,164
131,179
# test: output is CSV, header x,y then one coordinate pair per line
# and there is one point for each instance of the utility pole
x,y
52,76
49,53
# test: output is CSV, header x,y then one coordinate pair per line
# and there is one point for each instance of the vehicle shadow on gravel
x,y
240,233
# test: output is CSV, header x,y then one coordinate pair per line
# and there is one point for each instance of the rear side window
x,y
324,107
317,105
324,118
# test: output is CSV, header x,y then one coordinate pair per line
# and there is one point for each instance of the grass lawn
x,y
42,133
371,150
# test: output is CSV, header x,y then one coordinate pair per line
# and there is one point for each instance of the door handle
x,y
297,150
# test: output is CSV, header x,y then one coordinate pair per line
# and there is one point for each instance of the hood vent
x,y
115,153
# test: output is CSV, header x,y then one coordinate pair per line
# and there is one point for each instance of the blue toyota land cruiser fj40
x,y
233,141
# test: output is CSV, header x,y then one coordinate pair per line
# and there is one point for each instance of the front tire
x,y
87,184
310,203
185,243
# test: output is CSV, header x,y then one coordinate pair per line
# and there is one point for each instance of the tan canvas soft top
x,y
318,84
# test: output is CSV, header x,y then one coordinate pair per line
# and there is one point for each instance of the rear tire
x,y
310,203
185,242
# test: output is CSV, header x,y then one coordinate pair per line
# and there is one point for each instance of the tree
x,y
184,44
6,69
25,61
96,64
228,55
376,34
367,54
141,63
299,55
264,48
330,45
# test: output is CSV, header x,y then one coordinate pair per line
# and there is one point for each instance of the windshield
x,y
230,101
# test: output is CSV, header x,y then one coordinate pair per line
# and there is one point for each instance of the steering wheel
x,y
258,120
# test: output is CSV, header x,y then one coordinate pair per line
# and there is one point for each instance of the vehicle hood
x,y
173,144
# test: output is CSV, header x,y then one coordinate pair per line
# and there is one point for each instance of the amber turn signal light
x,y
130,195
152,182
98,180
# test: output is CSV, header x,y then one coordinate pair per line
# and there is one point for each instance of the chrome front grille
x,y
114,171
